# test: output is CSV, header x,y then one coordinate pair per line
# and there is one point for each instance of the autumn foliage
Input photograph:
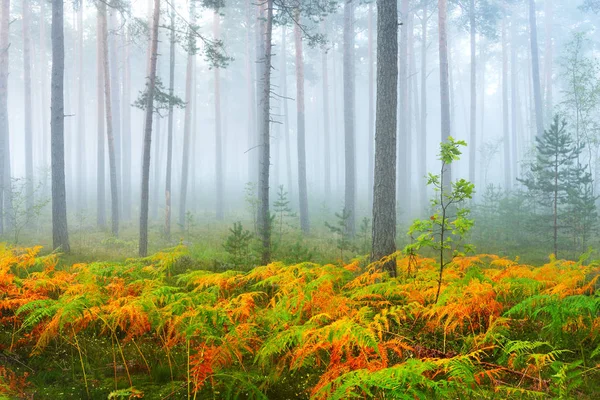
x,y
500,329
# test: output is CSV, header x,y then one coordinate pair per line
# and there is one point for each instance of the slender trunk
x,y
349,118
185,165
250,87
326,132
115,94
44,93
555,206
170,128
27,108
100,172
143,246
402,177
4,145
264,217
302,190
505,126
384,190
218,132
286,123
80,153
444,84
158,123
473,129
422,166
371,128
60,233
513,93
126,132
112,161
548,61
535,69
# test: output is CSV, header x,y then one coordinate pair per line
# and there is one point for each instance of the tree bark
x,y
143,245
326,131
43,95
218,131
473,116
112,161
100,172
170,128
264,218
115,98
349,110
27,108
250,87
4,138
548,53
60,233
302,186
514,109
384,190
535,69
126,132
286,123
80,153
403,142
422,143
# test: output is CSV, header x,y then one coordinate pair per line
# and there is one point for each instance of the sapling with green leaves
x,y
447,226
237,245
344,240
282,209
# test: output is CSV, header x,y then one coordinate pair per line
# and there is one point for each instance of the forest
x,y
404,205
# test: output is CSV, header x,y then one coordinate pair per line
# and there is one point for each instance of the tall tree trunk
x,y
548,53
286,123
371,128
112,161
4,138
218,134
444,84
505,123
473,121
250,87
264,218
170,128
402,177
514,109
44,94
126,132
185,165
80,153
143,246
27,108
326,132
60,233
384,190
349,109
302,189
115,97
535,69
158,123
100,172
422,143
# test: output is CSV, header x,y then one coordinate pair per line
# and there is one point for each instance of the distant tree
x,y
4,137
28,137
60,233
559,183
535,65
349,117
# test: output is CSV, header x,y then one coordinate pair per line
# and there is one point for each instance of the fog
x,y
223,102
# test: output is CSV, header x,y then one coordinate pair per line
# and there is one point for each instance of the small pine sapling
x,y
364,233
237,245
343,242
282,209
252,203
449,223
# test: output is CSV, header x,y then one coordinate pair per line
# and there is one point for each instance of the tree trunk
x,y
548,53
100,173
218,134
349,110
402,177
264,218
422,166
27,108
505,126
4,138
170,128
126,132
535,69
143,246
286,123
473,121
185,165
384,190
115,98
444,84
250,87
371,128
114,195
80,153
44,94
302,189
326,132
60,233
513,94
